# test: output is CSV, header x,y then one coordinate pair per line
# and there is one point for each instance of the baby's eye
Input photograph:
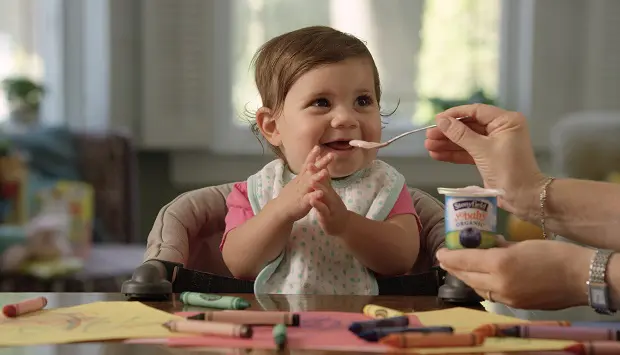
x,y
322,102
364,100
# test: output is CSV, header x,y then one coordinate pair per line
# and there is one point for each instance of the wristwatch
x,y
598,291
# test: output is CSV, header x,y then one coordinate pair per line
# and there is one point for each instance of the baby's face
x,y
329,106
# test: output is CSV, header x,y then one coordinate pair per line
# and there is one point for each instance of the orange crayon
x,y
595,348
23,307
432,340
494,330
211,328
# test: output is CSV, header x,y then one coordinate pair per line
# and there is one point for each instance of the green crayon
x,y
213,301
279,335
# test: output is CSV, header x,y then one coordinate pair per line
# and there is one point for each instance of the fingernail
x,y
443,123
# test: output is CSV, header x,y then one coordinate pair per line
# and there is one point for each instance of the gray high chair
x,y
183,250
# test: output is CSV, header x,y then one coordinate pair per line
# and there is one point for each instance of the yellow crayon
x,y
375,311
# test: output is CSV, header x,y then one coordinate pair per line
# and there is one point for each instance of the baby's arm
x,y
251,241
389,247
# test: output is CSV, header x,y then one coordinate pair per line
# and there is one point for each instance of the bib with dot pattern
x,y
313,262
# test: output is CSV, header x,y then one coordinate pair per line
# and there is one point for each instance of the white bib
x,y
313,262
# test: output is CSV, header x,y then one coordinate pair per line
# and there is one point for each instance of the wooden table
x,y
319,303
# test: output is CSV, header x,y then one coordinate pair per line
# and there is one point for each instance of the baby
x,y
325,217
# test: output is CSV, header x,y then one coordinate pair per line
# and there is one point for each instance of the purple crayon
x,y
358,327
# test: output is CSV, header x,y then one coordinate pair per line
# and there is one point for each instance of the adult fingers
x,y
461,157
473,260
459,133
441,145
436,133
475,280
484,114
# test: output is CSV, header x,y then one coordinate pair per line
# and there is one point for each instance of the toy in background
x,y
45,225
74,200
13,182
47,251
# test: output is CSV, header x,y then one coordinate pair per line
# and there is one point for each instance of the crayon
x,y
25,306
211,328
213,301
494,330
279,335
375,311
595,348
376,334
568,333
249,317
431,340
358,327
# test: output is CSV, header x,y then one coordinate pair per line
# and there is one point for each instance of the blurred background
x,y
111,108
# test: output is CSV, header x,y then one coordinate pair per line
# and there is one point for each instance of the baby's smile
x,y
338,145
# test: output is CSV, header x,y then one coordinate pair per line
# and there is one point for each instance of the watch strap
x,y
598,290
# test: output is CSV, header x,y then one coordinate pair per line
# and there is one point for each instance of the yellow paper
x,y
465,320
89,322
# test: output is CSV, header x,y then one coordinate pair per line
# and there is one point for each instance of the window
x,y
430,54
19,44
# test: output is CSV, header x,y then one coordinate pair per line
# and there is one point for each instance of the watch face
x,y
598,297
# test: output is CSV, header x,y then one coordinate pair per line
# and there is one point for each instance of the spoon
x,y
373,145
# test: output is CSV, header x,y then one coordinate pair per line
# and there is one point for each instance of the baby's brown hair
x,y
282,60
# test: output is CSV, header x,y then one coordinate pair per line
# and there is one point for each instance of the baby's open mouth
x,y
339,145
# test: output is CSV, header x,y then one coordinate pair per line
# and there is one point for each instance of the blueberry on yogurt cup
x,y
470,217
470,237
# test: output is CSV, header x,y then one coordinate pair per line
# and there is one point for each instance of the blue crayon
x,y
378,333
358,327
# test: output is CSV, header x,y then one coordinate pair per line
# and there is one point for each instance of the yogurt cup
x,y
470,217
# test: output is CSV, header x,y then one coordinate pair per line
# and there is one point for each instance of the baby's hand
x,y
295,197
331,211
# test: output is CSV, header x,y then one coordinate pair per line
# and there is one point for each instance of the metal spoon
x,y
373,145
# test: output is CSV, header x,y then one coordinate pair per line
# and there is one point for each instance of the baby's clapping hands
x,y
296,196
332,214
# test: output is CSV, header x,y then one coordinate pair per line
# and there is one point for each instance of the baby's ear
x,y
266,122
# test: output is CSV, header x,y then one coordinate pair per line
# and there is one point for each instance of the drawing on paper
x,y
68,322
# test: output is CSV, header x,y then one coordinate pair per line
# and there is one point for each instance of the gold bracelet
x,y
543,199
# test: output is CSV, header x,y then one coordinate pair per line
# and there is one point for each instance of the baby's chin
x,y
340,172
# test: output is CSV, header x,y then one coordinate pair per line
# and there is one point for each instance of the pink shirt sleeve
x,y
239,208
404,205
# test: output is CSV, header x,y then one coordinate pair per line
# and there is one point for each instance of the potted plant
x,y
24,98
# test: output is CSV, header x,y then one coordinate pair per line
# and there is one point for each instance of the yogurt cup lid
x,y
470,191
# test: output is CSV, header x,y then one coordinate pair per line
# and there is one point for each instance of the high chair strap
x,y
158,279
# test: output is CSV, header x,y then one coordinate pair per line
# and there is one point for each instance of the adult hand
x,y
533,274
496,140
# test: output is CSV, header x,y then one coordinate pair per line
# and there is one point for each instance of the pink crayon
x,y
23,307
554,332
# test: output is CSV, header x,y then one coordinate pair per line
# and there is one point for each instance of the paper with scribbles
x,y
89,322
